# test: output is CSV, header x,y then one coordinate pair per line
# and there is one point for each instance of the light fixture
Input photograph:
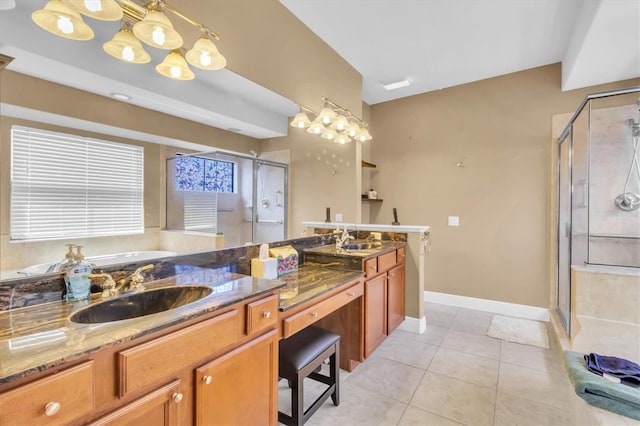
x,y
104,10
157,30
126,47
205,55
120,96
174,66
343,126
61,20
396,84
149,24
301,121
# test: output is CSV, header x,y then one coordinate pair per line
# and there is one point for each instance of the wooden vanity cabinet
x,y
384,297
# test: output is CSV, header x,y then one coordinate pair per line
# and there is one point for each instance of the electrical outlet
x,y
338,217
454,220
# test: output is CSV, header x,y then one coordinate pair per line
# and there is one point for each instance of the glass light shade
x,y
126,47
364,135
104,10
205,55
329,134
342,138
316,127
353,129
59,19
326,115
300,121
174,66
156,30
340,123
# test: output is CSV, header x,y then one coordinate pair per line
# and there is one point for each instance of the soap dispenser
x,y
77,278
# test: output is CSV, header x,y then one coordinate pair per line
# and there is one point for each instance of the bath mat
x,y
518,330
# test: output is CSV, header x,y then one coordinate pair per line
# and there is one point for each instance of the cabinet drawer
x,y
401,255
312,314
371,267
156,361
262,314
66,395
386,261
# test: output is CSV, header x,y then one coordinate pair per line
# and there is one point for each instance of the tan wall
x,y
500,128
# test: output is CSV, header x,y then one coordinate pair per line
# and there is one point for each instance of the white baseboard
x,y
494,306
416,325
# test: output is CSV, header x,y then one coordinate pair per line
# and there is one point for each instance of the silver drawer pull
x,y
350,294
314,314
266,314
207,379
52,408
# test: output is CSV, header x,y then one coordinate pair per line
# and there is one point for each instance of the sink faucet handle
x,y
108,285
137,277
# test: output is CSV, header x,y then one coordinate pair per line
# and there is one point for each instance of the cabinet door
x,y
375,312
240,387
159,407
395,298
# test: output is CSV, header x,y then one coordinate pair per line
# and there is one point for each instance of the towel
x,y
598,391
627,371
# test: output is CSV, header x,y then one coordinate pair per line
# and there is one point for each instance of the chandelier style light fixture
x,y
332,123
148,24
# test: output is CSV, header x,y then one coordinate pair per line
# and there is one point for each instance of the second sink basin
x,y
362,245
140,304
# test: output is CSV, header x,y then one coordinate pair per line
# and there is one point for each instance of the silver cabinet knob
x,y
52,408
177,397
207,379
314,314
266,314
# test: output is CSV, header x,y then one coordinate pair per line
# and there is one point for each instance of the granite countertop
x,y
312,281
35,338
331,250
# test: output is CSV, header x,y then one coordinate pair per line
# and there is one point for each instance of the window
x,y
204,175
66,186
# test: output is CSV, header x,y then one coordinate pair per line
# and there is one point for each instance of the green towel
x,y
594,389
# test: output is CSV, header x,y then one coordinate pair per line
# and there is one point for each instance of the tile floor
x,y
453,374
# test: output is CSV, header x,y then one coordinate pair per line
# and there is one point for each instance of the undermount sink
x,y
362,245
140,304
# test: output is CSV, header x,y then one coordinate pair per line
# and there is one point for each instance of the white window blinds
x,y
65,186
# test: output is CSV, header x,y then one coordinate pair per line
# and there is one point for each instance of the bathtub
x,y
103,260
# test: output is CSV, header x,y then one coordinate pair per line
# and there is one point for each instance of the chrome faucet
x,y
108,285
134,281
342,238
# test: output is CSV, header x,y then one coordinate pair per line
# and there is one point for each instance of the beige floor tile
x,y
388,378
439,315
432,335
513,410
455,399
541,386
475,322
472,343
406,351
417,417
358,406
468,367
531,357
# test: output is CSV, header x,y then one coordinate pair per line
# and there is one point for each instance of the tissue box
x,y
264,268
287,258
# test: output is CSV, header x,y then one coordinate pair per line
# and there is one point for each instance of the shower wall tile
x,y
608,296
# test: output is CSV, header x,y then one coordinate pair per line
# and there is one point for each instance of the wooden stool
x,y
301,355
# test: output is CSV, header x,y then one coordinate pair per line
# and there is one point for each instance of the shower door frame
x,y
254,214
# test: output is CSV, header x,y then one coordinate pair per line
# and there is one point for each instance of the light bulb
x,y
127,54
158,36
176,72
65,25
93,5
205,59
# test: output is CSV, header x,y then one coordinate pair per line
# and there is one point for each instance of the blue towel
x,y
627,371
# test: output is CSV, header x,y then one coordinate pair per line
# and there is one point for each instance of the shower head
x,y
635,126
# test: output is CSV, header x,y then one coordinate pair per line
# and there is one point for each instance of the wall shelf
x,y
372,199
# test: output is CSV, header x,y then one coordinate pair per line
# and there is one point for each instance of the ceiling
x,y
436,44
433,43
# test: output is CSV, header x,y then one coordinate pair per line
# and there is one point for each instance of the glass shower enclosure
x,y
243,198
598,174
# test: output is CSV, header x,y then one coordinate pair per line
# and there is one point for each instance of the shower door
x,y
563,285
270,206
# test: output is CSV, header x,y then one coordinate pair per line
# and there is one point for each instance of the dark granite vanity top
x,y
328,256
42,336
